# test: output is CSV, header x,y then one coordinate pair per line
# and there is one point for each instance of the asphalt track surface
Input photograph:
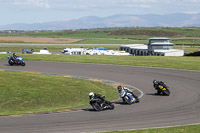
x,y
180,108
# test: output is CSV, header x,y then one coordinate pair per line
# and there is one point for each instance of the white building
x,y
156,46
42,51
94,51
74,51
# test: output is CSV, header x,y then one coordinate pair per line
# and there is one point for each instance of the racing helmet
x,y
119,88
91,94
155,82
14,54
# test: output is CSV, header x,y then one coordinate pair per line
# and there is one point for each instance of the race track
x,y
180,108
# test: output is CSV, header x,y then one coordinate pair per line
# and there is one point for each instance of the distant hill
x,y
149,20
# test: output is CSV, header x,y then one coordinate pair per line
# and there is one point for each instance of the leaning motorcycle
x,y
127,97
100,105
16,61
164,89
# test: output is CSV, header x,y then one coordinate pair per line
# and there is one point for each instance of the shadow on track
x,y
119,102
11,65
92,110
89,109
154,94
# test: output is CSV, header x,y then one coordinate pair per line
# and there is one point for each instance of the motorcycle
x,y
99,104
164,89
16,61
128,98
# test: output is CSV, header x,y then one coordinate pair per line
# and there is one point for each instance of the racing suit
x,y
156,86
100,97
129,91
14,56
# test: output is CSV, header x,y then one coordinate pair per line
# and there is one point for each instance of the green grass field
x,y
17,97
51,48
111,41
108,36
106,33
189,63
180,129
59,48
35,93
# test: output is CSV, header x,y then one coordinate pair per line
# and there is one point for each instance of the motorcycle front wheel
x,y
23,63
111,106
97,107
127,100
166,92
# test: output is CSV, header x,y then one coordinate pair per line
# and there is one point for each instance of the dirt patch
x,y
37,40
144,32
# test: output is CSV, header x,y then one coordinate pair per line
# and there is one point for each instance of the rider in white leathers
x,y
122,89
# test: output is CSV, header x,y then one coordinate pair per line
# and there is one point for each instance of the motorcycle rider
x,y
95,96
156,86
14,56
120,89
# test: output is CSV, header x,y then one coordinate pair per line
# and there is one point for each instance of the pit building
x,y
155,47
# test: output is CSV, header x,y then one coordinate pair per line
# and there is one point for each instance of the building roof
x,y
159,38
162,43
139,46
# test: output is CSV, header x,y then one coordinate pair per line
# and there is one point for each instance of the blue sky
x,y
39,11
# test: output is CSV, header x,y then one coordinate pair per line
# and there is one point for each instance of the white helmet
x,y
91,94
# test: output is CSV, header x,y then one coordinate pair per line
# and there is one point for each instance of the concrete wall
x,y
177,53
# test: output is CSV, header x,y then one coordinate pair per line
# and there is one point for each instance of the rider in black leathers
x,y
95,96
120,88
156,86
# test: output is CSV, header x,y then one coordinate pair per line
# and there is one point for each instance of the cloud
x,y
139,5
189,1
143,1
102,4
192,12
32,3
182,1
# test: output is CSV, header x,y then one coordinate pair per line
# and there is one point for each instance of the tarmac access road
x,y
180,108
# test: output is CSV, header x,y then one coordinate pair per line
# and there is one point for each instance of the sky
x,y
40,11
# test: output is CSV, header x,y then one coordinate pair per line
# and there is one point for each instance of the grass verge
x,y
189,63
180,129
34,93
111,41
51,48
96,43
139,33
